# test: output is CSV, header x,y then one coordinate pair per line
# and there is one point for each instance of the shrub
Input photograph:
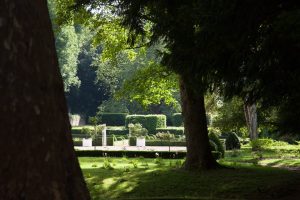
x,y
260,144
137,130
232,141
86,132
150,122
177,119
165,136
220,147
172,130
113,119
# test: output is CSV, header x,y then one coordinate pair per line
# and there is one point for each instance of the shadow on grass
x,y
165,181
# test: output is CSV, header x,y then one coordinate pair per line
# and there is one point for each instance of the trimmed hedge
x,y
150,122
96,142
113,119
172,130
132,154
220,147
117,131
165,143
177,119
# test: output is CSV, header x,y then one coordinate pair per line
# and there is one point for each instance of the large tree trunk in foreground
x,y
199,154
251,120
37,156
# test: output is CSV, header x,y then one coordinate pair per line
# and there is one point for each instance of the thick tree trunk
x,y
37,156
251,120
199,156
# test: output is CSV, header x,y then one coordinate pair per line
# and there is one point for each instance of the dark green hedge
x,y
113,119
172,130
97,142
177,119
165,143
117,131
150,122
132,154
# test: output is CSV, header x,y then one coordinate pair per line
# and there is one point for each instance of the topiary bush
x,y
150,122
232,141
113,119
220,147
177,119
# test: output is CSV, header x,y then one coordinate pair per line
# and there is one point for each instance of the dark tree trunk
x,y
37,156
199,156
251,120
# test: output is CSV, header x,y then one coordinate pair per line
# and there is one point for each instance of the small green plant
x,y
94,165
219,146
134,163
166,136
107,164
86,132
137,130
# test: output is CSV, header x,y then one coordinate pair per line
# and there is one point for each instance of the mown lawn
x,y
140,178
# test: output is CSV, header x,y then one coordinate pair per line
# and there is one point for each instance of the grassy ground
x,y
141,178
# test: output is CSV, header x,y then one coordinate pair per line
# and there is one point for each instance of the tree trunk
x,y
37,156
251,120
199,156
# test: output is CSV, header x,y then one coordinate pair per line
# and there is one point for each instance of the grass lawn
x,y
140,178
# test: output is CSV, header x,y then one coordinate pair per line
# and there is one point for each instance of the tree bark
x,y
37,156
251,120
199,156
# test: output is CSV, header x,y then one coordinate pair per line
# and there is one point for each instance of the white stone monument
x,y
87,142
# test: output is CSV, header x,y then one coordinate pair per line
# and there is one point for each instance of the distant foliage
x,y
232,141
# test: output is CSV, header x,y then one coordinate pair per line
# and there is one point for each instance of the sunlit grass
x,y
141,178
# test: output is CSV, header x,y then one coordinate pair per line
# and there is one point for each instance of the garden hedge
x,y
172,130
150,122
121,131
132,154
112,119
177,119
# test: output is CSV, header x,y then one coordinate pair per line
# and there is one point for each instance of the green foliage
x,y
113,119
177,119
165,136
230,116
219,146
172,130
117,131
150,85
150,122
86,132
232,141
265,143
137,130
